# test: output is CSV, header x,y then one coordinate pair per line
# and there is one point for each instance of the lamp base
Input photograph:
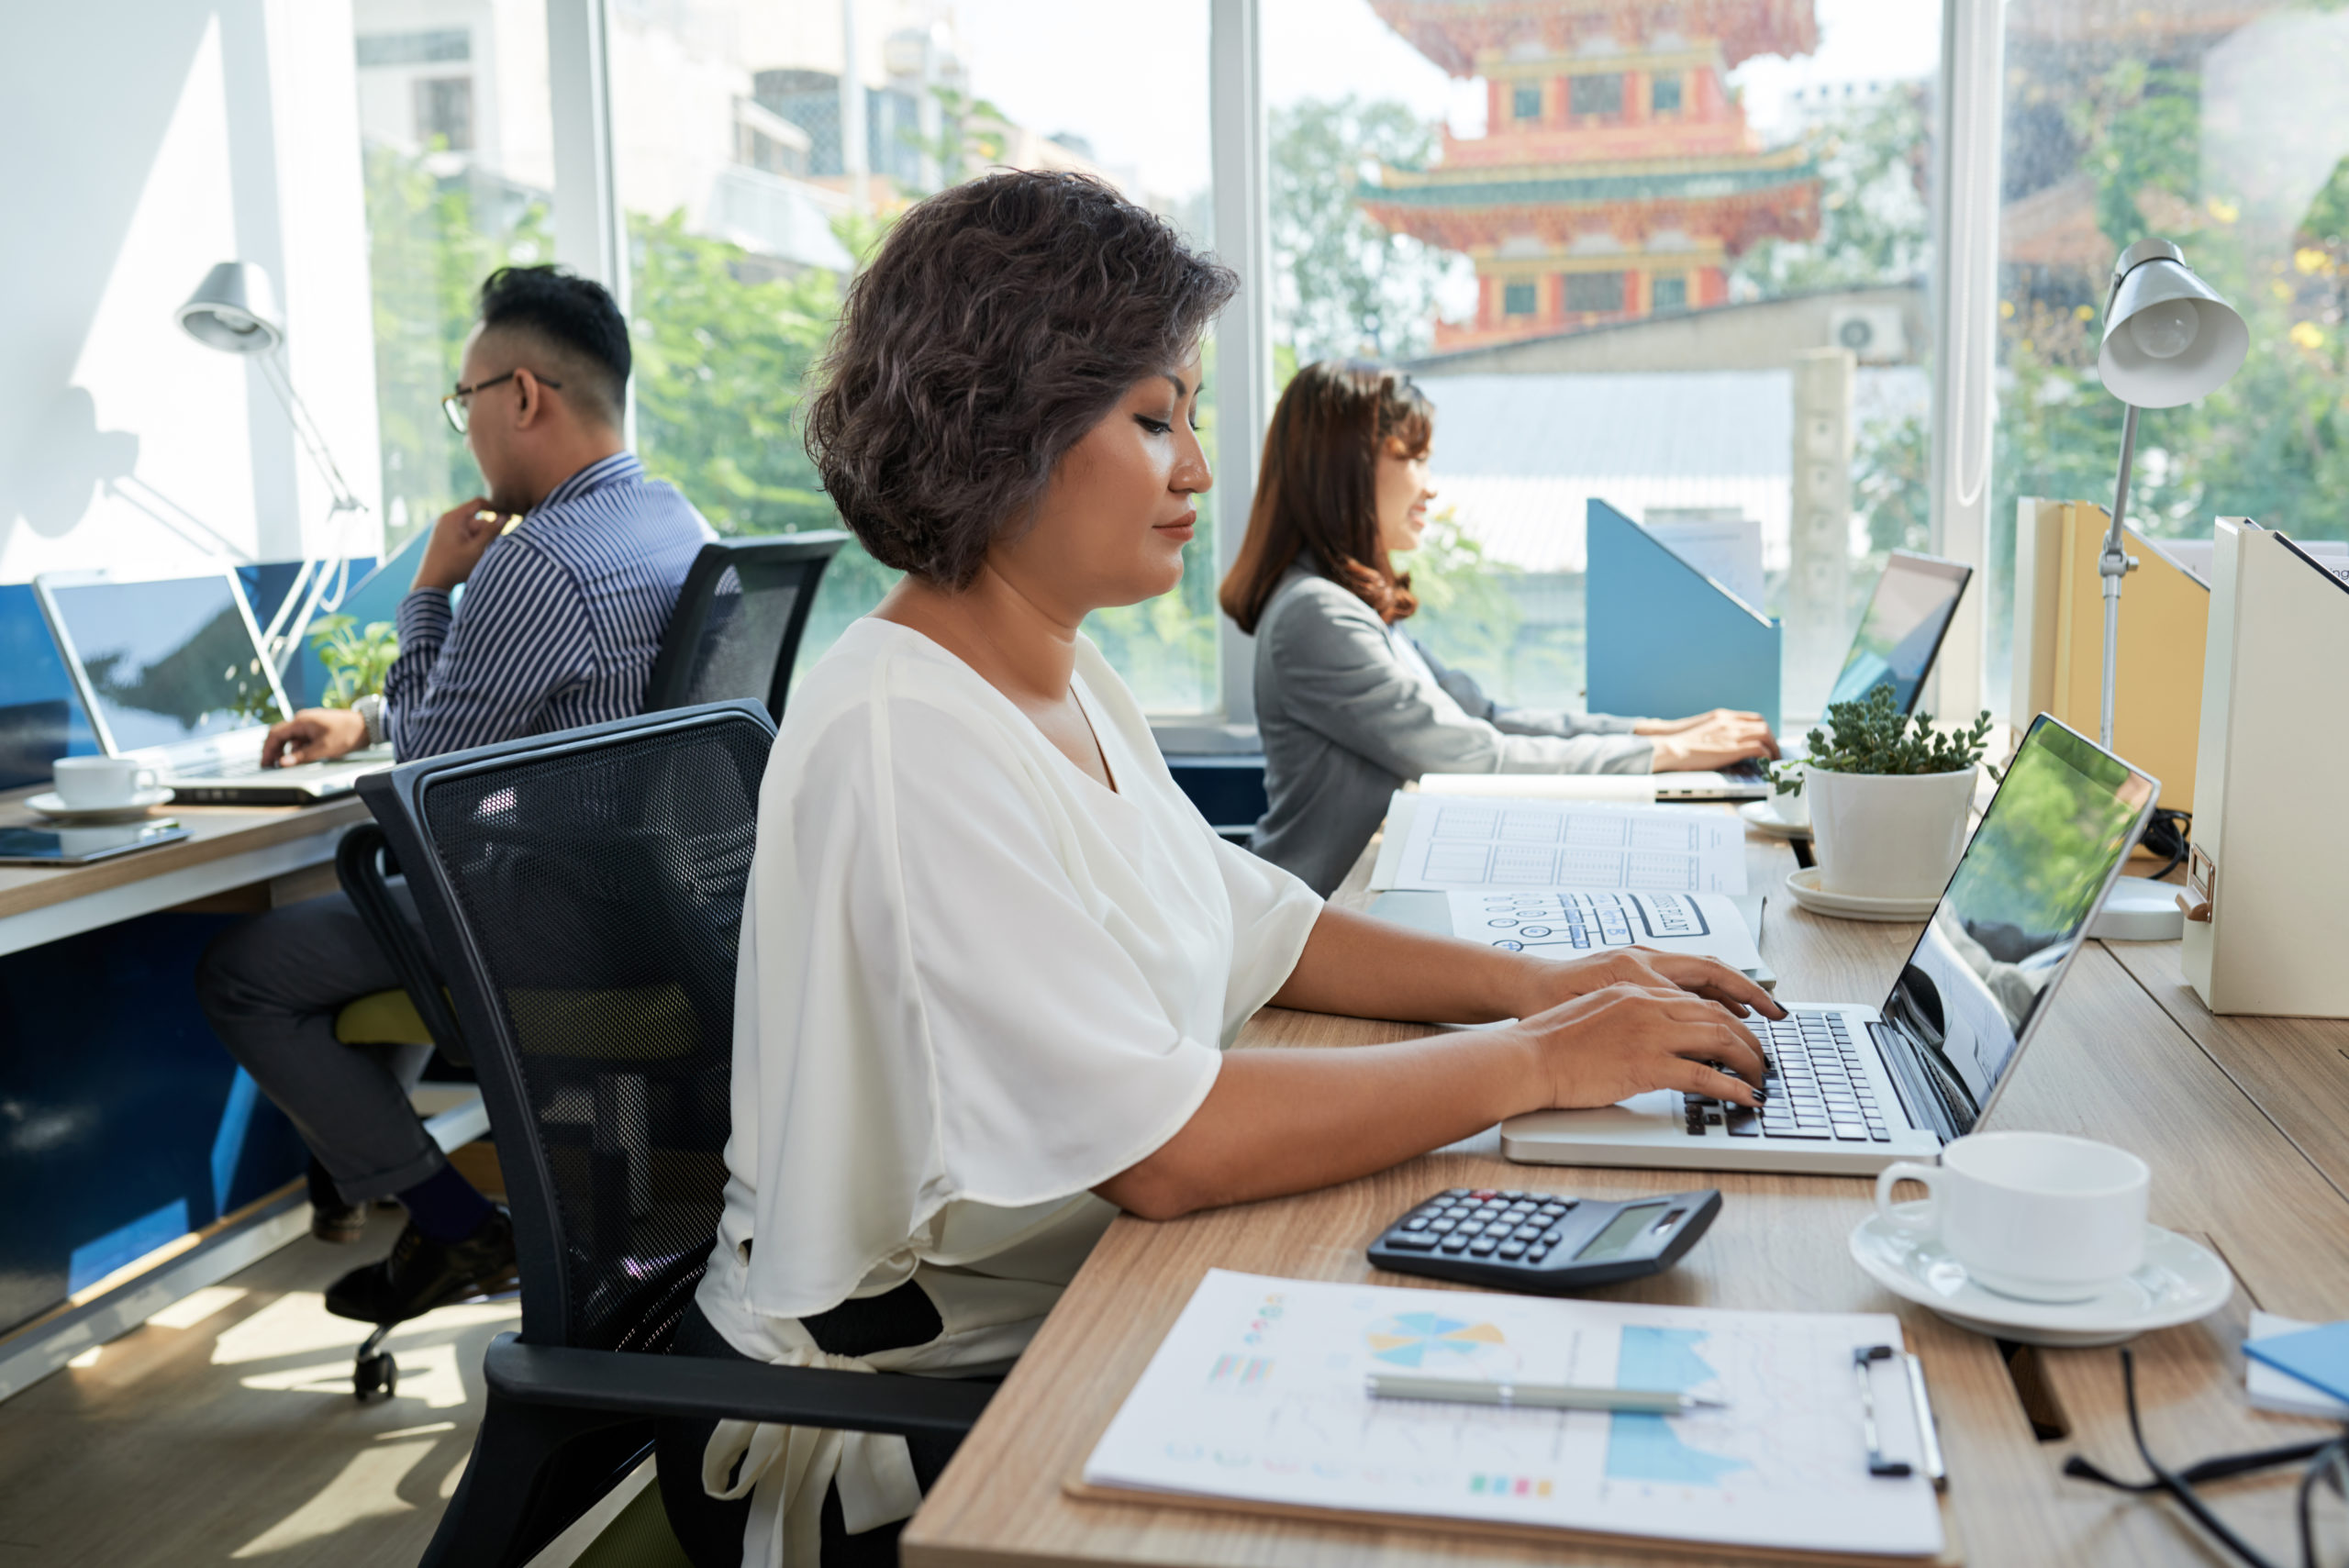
x,y
2138,910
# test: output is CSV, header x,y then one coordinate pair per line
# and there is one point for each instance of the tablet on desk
x,y
80,846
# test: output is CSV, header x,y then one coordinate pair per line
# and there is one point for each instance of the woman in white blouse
x,y
991,955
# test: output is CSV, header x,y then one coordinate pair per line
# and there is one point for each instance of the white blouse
x,y
973,986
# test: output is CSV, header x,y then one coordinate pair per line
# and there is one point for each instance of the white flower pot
x,y
1888,836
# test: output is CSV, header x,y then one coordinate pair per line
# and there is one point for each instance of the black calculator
x,y
1543,1243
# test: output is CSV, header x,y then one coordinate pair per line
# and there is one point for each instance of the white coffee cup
x,y
97,783
2034,1214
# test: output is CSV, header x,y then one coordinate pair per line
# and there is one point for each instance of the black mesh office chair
x,y
736,629
582,893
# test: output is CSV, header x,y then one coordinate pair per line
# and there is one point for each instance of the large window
x,y
1755,172
758,162
460,174
2225,130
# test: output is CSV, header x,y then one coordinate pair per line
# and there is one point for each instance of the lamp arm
x,y
2112,566
306,429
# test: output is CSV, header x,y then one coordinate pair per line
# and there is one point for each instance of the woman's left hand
x,y
1548,982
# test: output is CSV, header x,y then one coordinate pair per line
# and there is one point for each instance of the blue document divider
x,y
1665,640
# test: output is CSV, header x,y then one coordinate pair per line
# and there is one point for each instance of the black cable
x,y
2173,1485
2167,834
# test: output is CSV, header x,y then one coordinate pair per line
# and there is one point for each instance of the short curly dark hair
x,y
1001,321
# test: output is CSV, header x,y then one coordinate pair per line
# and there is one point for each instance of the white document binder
x,y
2268,878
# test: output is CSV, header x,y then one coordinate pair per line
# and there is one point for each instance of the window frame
x,y
591,239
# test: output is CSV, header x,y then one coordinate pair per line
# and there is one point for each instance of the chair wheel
x,y
378,1374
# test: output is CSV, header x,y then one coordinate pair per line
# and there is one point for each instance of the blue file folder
x,y
1663,639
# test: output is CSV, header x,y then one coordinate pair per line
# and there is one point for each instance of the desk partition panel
x,y
1665,640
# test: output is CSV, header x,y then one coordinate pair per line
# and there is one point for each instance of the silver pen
x,y
1936,1471
1536,1395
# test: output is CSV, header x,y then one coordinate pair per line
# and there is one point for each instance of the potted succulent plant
x,y
1889,797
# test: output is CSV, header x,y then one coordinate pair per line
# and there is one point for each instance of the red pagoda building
x,y
1616,175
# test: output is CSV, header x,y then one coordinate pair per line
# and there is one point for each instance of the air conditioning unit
x,y
1875,333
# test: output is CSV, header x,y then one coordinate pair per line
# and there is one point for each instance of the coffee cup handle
x,y
144,780
1906,1171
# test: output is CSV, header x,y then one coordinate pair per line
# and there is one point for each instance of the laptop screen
x,y
1897,638
2013,915
165,661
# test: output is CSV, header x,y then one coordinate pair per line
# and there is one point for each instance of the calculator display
x,y
1618,1237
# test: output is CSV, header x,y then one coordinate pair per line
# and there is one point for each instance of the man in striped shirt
x,y
571,565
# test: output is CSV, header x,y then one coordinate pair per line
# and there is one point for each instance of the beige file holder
x,y
2059,640
2268,882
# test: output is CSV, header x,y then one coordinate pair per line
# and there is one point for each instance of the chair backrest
x,y
582,893
736,629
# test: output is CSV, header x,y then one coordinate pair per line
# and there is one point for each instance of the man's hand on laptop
x,y
313,735
1707,740
463,534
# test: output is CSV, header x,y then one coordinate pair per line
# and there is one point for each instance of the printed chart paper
x,y
1455,843
1559,922
1258,1393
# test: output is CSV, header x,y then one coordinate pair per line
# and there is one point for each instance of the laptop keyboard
x,y
1819,1087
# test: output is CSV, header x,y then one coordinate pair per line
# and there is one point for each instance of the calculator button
x,y
1417,1222
1536,1252
1553,1237
1512,1250
1440,1226
1525,1232
1515,1196
1409,1243
1456,1243
1470,1228
1482,1247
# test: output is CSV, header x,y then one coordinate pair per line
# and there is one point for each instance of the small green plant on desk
x,y
358,661
1869,735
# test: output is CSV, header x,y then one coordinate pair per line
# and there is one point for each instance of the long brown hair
x,y
1316,489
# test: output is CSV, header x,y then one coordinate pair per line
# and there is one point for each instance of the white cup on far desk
x,y
99,783
2034,1214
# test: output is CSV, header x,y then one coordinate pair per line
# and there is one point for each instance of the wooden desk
x,y
228,848
2109,1063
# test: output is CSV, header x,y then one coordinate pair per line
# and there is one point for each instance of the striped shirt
x,y
562,621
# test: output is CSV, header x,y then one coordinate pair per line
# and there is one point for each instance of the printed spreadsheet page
x,y
1470,843
1258,1393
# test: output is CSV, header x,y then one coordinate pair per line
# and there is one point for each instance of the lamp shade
x,y
2168,338
234,310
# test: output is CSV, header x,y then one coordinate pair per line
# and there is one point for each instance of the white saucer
x,y
2180,1282
1763,817
51,805
1804,886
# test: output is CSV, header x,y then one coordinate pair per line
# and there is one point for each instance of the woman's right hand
x,y
1710,740
1625,1040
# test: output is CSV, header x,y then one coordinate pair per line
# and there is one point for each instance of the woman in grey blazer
x,y
1349,705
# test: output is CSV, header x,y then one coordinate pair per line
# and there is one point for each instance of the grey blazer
x,y
1347,721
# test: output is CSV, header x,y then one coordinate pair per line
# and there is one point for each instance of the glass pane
x,y
460,174
2224,131
1603,236
749,206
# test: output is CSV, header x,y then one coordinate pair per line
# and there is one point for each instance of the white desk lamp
x,y
234,310
2168,338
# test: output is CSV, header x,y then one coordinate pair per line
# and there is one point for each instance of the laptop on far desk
x,y
1898,640
172,673
1854,1088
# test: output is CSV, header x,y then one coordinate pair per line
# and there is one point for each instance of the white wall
x,y
149,139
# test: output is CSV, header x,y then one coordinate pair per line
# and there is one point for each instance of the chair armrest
x,y
706,1388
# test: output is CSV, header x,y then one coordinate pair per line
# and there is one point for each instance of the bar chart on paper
x,y
1479,843
1258,1395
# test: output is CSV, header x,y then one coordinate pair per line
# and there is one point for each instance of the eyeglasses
x,y
453,405
2327,1462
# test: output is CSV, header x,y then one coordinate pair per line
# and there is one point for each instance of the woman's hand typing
x,y
1626,1039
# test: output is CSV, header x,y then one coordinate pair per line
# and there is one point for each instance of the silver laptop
x,y
1854,1088
172,673
1898,639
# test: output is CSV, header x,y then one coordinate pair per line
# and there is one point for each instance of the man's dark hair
x,y
1001,320
572,323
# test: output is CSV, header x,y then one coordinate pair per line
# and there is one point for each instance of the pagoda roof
x,y
1547,184
1452,33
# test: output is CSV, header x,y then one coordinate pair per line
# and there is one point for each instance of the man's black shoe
x,y
422,1273
332,1219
